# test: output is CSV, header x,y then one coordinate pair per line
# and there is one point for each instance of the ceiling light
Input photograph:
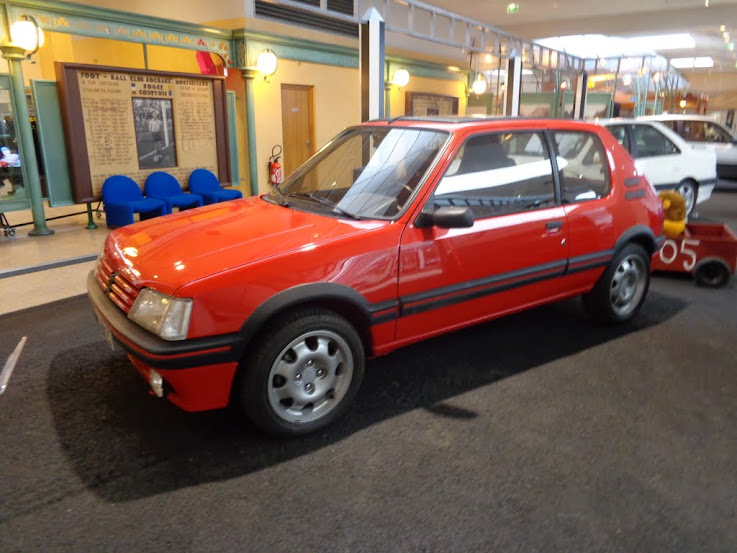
x,y
601,46
690,63
722,28
512,7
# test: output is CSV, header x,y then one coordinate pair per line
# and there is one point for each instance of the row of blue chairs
x,y
123,198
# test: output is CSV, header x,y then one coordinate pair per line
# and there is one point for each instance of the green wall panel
x,y
50,133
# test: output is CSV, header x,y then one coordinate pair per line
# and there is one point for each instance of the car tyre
x,y
620,292
304,373
712,274
690,191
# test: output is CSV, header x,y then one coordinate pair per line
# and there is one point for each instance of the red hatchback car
x,y
394,232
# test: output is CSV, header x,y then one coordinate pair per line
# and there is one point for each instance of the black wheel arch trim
x,y
636,232
317,292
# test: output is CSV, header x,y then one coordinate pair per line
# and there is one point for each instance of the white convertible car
x,y
666,159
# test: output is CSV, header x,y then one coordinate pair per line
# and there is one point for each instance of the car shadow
x,y
124,445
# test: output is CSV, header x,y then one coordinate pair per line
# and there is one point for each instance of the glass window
x,y
496,174
365,172
650,142
583,166
620,133
715,133
11,175
693,131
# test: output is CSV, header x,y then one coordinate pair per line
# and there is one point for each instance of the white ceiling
x,y
535,18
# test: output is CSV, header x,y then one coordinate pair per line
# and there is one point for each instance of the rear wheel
x,y
621,290
712,274
304,373
689,191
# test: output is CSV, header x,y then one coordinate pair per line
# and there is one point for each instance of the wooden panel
x,y
297,125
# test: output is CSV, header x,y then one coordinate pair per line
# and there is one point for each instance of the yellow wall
x,y
431,86
337,105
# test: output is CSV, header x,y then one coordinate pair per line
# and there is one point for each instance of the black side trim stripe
x,y
635,194
188,362
631,181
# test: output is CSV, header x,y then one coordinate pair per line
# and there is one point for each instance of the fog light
x,y
156,382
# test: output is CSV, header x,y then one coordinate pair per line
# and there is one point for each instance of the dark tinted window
x,y
650,142
495,174
583,166
620,133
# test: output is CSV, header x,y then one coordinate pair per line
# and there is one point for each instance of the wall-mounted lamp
x,y
401,77
682,104
266,62
479,84
26,34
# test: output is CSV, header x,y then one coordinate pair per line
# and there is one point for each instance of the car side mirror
x,y
446,217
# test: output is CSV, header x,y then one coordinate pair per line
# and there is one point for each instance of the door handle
x,y
553,225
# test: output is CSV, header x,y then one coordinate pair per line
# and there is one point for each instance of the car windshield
x,y
365,172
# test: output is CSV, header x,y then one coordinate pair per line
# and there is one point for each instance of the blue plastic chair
x,y
122,198
163,186
206,184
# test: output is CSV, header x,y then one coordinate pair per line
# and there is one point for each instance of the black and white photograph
x,y
154,133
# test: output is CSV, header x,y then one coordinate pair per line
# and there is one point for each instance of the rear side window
x,y
693,131
497,174
583,167
649,142
620,133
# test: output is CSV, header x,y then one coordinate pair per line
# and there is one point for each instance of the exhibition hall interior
x,y
368,275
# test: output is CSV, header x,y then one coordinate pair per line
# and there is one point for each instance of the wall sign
x,y
134,122
420,104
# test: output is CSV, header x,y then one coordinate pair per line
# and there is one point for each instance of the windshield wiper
x,y
324,201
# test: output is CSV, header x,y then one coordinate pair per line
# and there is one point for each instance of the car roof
x,y
664,129
678,116
455,124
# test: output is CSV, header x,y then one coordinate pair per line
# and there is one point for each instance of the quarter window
x,y
650,142
620,133
496,174
583,167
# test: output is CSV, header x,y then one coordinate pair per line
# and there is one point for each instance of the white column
x,y
513,88
372,65
579,100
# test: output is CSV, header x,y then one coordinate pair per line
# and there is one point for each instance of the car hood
x,y
168,252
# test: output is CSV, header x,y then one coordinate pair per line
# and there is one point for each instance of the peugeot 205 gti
x,y
394,232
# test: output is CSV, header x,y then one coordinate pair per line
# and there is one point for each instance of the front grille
x,y
120,291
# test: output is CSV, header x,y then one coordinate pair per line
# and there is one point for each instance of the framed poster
x,y
420,104
134,122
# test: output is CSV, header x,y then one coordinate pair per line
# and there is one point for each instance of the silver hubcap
x,y
689,195
628,285
310,376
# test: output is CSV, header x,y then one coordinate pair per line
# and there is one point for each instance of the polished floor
x,y
39,270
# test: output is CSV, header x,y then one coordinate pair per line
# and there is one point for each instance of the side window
x,y
693,131
715,133
583,166
650,142
620,133
496,174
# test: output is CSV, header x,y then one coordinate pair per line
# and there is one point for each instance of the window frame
x,y
635,150
546,141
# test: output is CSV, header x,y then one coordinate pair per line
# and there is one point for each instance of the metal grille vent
x,y
287,14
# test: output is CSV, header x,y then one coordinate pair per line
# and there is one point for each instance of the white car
x,y
704,132
666,159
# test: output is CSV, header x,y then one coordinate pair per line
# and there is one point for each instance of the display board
x,y
134,122
420,104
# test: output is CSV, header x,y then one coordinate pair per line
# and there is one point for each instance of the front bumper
x,y
199,372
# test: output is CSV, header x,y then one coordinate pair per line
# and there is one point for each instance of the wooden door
x,y
298,125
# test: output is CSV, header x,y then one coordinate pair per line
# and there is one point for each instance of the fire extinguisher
x,y
275,175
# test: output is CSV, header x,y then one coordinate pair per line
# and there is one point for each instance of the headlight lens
x,y
162,315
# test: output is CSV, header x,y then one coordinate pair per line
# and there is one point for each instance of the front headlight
x,y
162,315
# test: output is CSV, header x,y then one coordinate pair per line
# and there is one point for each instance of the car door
x,y
656,156
510,258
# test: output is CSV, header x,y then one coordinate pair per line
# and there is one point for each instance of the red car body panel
x,y
241,260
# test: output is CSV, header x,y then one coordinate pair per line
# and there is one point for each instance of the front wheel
x,y
304,373
689,191
620,291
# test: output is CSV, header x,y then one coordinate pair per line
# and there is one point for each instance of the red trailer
x,y
706,250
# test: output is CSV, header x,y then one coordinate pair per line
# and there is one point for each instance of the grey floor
x,y
537,432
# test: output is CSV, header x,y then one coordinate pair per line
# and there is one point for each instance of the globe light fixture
x,y
266,62
401,78
479,84
26,33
